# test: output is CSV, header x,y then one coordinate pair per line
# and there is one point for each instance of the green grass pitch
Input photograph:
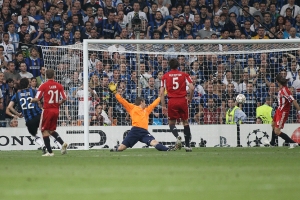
x,y
205,173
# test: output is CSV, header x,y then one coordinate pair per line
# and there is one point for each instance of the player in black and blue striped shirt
x,y
30,111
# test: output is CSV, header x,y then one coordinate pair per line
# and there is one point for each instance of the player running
x,y
30,111
285,100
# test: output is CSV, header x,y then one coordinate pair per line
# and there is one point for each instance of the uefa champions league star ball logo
x,y
257,138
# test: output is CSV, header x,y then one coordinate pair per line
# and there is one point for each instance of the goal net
x,y
220,69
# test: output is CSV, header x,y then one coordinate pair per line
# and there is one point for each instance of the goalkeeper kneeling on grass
x,y
139,114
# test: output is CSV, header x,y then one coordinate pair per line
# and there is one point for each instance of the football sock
x,y
39,141
286,138
274,139
187,135
161,147
47,143
57,137
174,130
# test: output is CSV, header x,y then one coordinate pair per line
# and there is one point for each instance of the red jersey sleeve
x,y
188,79
40,92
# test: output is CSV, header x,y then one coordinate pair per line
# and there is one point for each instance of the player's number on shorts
x,y
53,96
25,105
175,83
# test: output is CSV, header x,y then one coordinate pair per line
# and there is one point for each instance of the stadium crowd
x,y
26,25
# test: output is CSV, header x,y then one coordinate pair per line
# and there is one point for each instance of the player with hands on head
x,y
139,114
285,100
175,83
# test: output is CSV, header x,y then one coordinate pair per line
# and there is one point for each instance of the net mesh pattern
x,y
219,72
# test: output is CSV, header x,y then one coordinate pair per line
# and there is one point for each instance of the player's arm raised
x,y
153,105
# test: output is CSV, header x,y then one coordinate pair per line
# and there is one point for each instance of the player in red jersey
x,y
285,100
52,93
175,83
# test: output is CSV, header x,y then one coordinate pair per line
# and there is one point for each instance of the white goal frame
x,y
86,43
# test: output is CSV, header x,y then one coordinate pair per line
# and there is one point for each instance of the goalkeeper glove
x,y
113,87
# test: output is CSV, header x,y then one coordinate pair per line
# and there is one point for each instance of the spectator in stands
x,y
280,23
173,13
260,34
3,60
234,114
230,92
265,111
97,119
115,76
162,8
100,15
207,30
233,8
23,71
211,114
247,31
229,79
251,103
157,21
262,81
108,71
26,46
136,12
245,14
251,68
287,28
273,12
187,14
24,13
33,83
34,62
292,72
258,120
289,16
290,4
11,73
209,94
47,41
293,34
33,13
74,81
94,83
13,123
5,14
13,36
9,50
41,78
79,94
